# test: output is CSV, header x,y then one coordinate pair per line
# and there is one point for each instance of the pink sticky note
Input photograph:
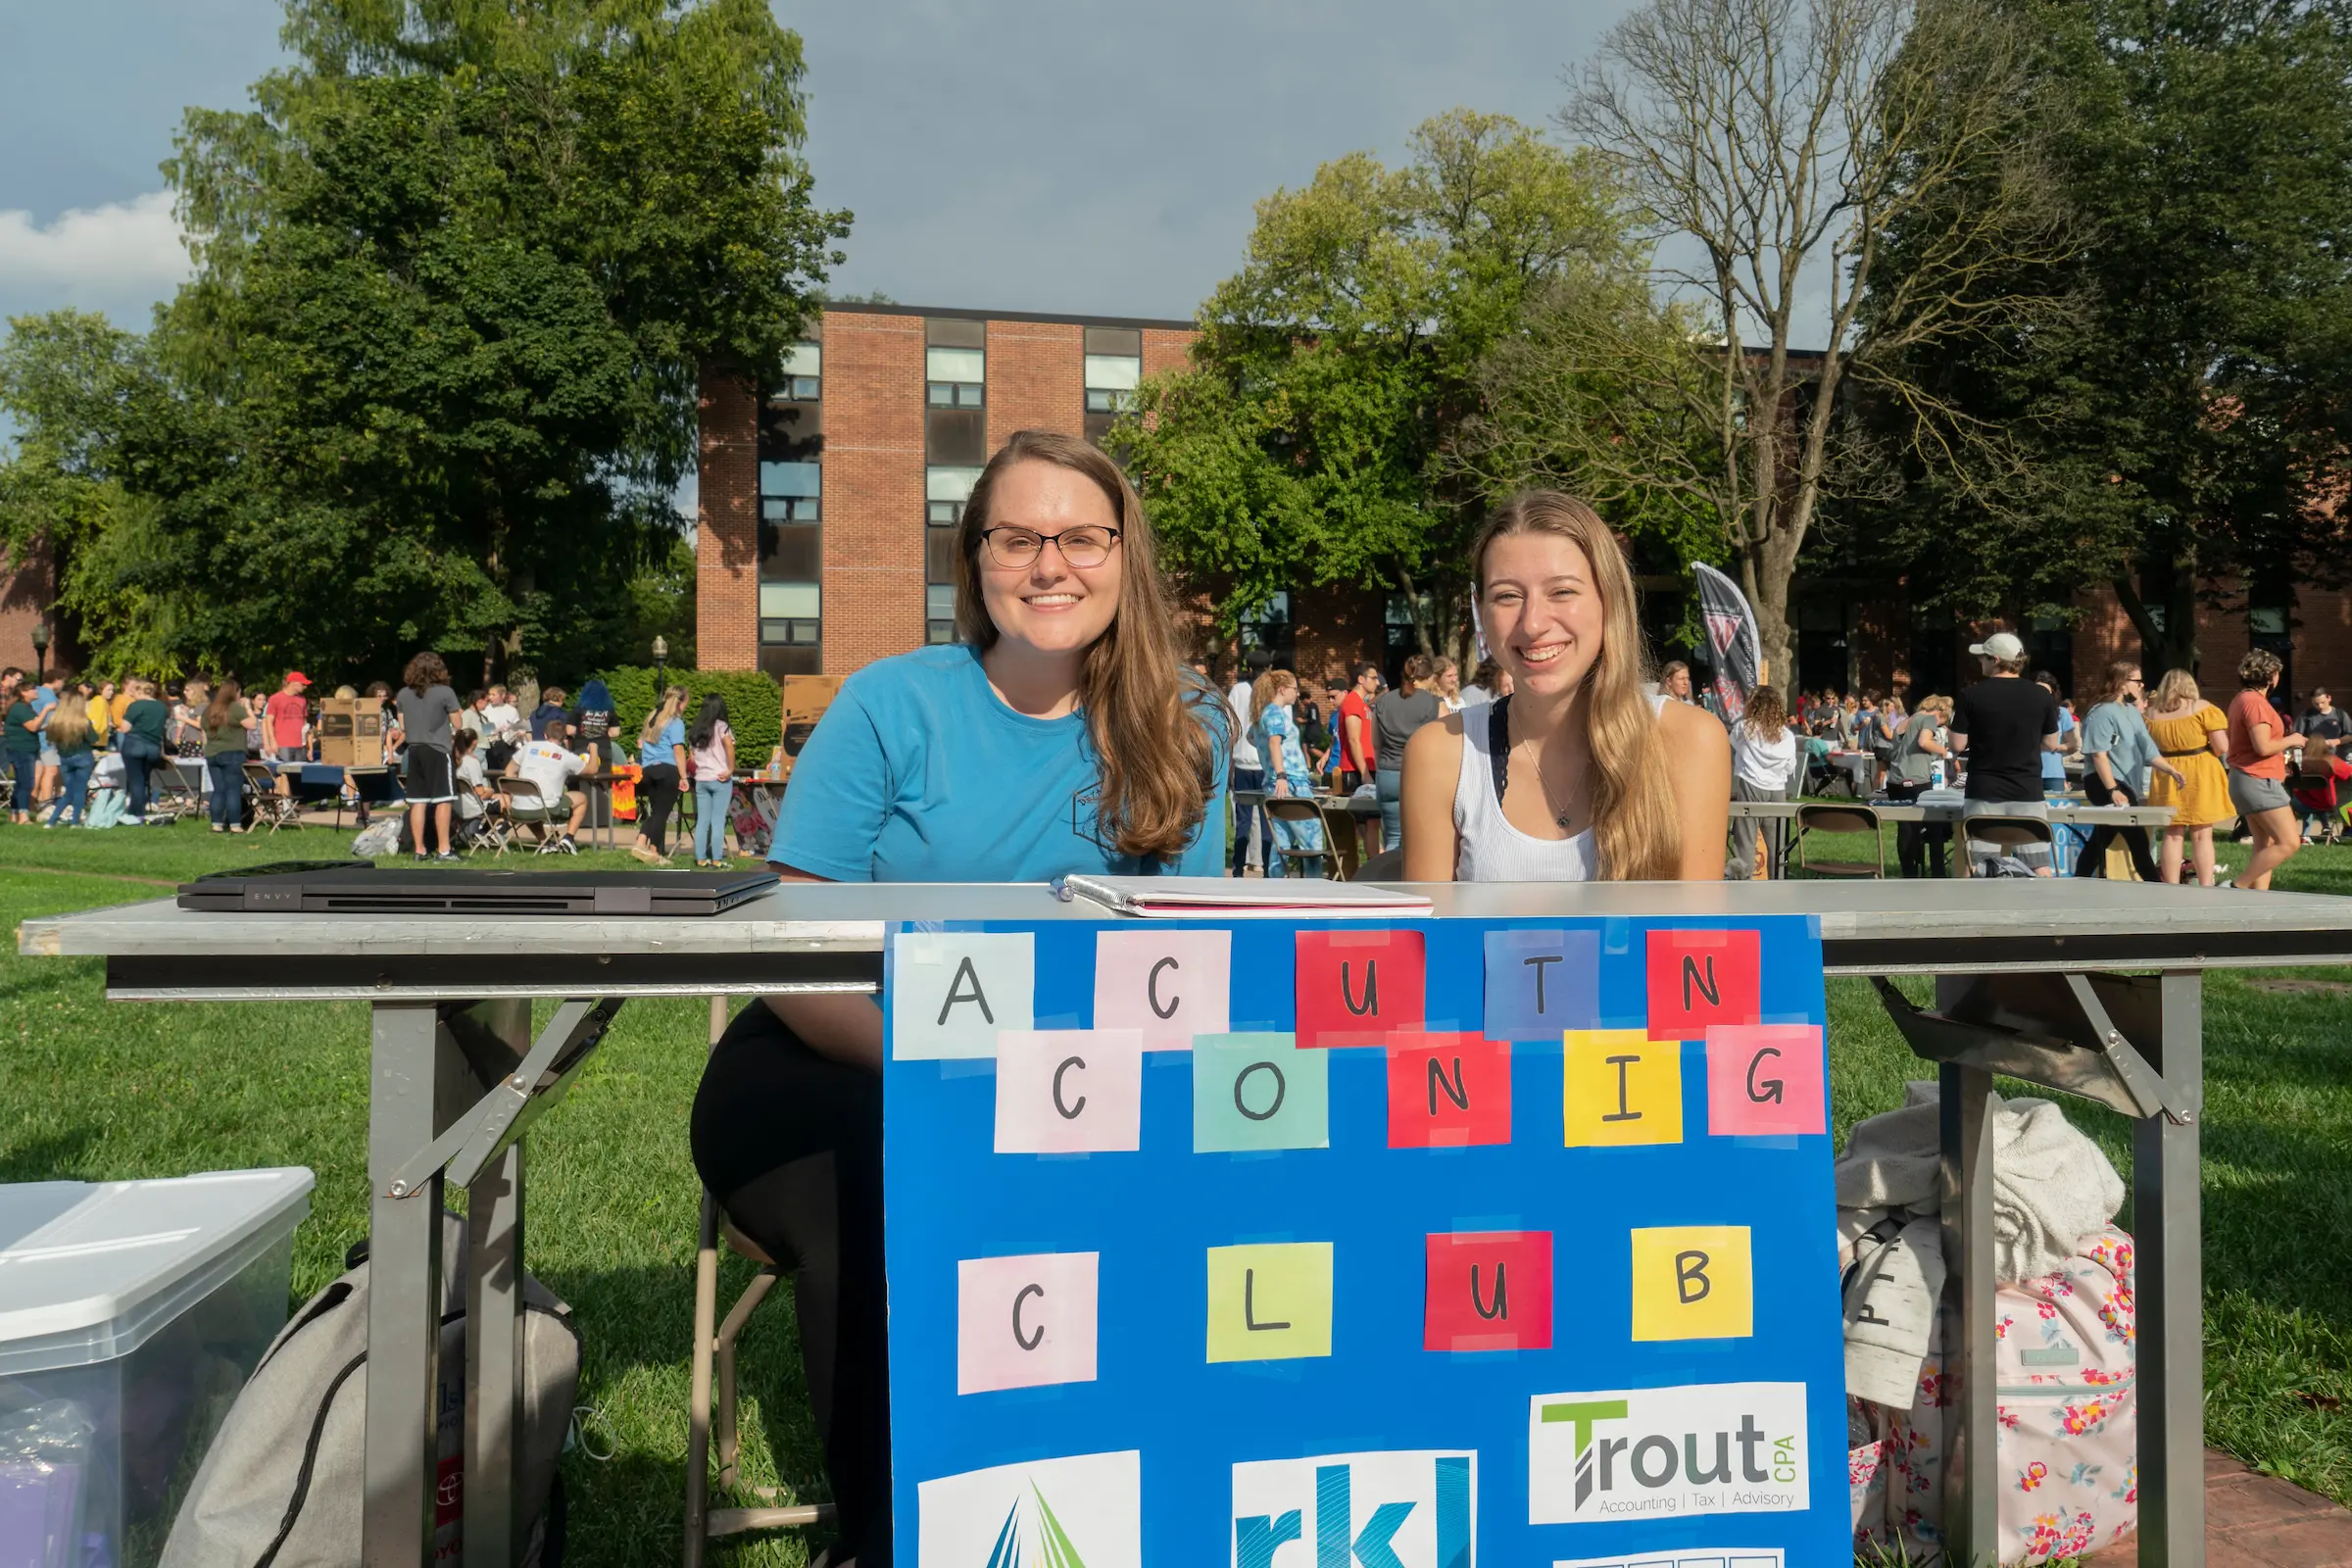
x,y
1170,985
1069,1091
1022,1322
1764,1079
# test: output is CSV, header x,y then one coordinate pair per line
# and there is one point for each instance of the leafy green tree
x,y
458,268
1318,434
2182,420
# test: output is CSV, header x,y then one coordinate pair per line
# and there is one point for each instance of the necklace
x,y
1559,814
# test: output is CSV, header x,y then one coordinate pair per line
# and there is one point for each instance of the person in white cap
x,y
2003,723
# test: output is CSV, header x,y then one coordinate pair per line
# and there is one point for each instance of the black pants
x,y
791,1142
1918,846
2094,859
661,783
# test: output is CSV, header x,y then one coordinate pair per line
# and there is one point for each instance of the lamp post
x,y
40,651
660,663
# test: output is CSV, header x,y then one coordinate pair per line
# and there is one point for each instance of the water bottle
x,y
1935,775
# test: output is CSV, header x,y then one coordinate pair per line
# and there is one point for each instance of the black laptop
x,y
399,890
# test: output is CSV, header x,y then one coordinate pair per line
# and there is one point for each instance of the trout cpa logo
x,y
1358,1511
1081,1513
1634,1454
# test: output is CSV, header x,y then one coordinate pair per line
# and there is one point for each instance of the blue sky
x,y
1043,155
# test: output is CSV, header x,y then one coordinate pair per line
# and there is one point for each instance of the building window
x,y
1114,368
2050,645
1268,637
803,372
954,363
946,488
791,540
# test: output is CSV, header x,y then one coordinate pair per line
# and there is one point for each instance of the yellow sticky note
x,y
1622,1087
1270,1302
1694,1281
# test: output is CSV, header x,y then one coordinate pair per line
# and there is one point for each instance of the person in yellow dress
x,y
2192,735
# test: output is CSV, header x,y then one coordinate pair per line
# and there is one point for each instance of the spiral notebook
x,y
1222,898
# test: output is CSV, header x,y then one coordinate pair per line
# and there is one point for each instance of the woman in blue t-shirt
x,y
1058,734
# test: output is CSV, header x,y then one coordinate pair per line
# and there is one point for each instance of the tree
x,y
1780,141
1317,434
457,272
2183,421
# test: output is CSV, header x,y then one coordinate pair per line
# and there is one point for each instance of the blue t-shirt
x,y
2117,730
664,746
918,772
2053,763
1277,721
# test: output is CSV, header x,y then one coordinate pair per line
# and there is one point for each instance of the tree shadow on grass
x,y
50,1157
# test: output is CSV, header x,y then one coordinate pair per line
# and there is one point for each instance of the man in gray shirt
x,y
1396,716
2118,753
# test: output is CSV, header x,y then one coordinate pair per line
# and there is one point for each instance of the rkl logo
x,y
1358,1511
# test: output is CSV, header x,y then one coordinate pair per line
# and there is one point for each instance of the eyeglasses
x,y
1019,547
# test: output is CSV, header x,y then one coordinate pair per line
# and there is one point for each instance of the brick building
x,y
828,509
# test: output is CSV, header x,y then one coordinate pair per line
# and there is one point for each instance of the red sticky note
x,y
1449,1091
1359,987
1489,1290
1765,1078
1698,978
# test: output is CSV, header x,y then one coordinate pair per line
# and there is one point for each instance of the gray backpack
x,y
282,1485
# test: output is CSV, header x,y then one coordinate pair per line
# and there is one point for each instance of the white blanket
x,y
2051,1186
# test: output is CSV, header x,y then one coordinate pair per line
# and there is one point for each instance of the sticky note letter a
x,y
1359,987
1703,977
1167,986
952,992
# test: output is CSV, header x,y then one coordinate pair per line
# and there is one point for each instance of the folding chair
x,y
269,806
1340,831
169,797
1290,809
1840,819
526,808
715,1343
2003,833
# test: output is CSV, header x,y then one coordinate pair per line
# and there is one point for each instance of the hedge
x,y
754,704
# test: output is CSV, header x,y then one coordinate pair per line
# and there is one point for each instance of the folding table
x,y
2089,987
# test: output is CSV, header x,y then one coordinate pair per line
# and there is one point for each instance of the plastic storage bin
x,y
130,1314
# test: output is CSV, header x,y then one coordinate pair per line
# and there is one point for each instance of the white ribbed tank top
x,y
1487,848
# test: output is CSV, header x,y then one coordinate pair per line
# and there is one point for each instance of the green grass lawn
x,y
94,1090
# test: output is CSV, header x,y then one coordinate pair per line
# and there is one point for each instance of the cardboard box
x,y
805,698
350,731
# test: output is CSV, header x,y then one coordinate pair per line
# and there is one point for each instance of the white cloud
x,y
120,257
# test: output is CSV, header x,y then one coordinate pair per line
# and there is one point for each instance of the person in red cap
x,y
287,721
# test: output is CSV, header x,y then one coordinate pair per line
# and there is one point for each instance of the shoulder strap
x,y
1498,744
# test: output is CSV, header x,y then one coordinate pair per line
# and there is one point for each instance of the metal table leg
x,y
2166,1210
499,1034
1971,1425
414,1070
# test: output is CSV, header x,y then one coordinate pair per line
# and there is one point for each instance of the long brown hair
x,y
1148,719
1765,713
1636,831
224,699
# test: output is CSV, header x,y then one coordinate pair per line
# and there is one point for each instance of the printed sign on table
x,y
1322,1244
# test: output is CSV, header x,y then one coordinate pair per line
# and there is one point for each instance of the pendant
x,y
1561,822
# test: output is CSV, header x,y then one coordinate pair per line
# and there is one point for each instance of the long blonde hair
x,y
68,722
2178,689
673,706
1635,829
1263,689
1147,717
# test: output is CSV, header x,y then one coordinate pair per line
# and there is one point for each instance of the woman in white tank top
x,y
1581,775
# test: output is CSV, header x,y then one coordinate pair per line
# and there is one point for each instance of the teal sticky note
x,y
1257,1092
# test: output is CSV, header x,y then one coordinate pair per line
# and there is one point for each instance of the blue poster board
x,y
1323,1244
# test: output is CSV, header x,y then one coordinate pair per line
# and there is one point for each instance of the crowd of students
x,y
448,753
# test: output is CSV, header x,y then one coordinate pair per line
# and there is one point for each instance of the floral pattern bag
x,y
2069,1422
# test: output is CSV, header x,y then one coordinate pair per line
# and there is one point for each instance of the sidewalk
x,y
2256,1520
